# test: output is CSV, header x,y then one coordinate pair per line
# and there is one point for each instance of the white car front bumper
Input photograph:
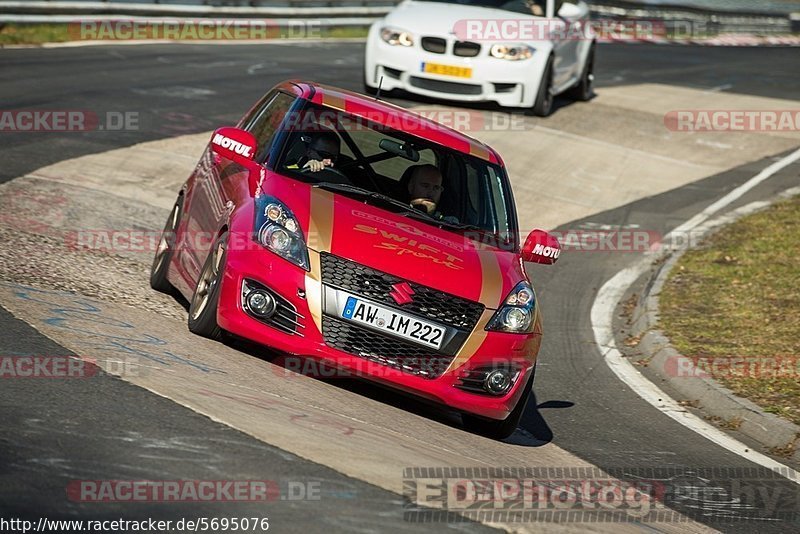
x,y
508,83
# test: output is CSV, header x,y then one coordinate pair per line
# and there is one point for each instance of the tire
x,y
165,250
543,106
500,429
584,90
203,307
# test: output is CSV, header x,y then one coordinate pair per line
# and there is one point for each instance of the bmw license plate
x,y
394,323
447,70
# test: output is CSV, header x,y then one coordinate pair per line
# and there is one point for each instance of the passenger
x,y
425,190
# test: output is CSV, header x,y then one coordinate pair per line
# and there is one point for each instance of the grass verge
x,y
734,303
33,33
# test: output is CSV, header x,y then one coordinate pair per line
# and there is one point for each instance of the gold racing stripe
x,y
491,279
334,101
473,343
479,151
491,294
320,225
320,236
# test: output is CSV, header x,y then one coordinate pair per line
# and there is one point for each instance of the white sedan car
x,y
516,53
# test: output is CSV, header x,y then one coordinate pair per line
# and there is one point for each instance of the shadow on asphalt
x,y
533,430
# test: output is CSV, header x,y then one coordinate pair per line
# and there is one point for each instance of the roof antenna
x,y
378,93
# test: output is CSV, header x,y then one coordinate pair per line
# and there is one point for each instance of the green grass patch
x,y
346,33
738,296
33,33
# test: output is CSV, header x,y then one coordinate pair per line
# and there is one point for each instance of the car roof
x,y
389,114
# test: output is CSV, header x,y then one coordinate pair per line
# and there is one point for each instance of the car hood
x,y
404,247
438,18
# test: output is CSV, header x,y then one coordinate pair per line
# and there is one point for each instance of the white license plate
x,y
393,322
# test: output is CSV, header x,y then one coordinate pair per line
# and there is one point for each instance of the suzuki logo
x,y
401,293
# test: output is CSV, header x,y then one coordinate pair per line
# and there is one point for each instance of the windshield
x,y
527,7
400,172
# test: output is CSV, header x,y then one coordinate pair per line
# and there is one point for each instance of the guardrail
x,y
362,12
712,21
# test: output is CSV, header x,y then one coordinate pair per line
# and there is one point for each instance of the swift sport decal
x,y
403,245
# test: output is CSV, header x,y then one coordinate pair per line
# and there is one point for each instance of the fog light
x,y
498,381
260,303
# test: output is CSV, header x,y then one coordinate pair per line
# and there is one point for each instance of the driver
x,y
321,152
425,189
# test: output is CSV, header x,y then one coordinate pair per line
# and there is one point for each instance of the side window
x,y
499,200
265,123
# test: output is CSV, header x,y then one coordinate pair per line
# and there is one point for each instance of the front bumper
x,y
508,83
304,293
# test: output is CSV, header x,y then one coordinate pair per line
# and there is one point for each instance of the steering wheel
x,y
424,205
328,169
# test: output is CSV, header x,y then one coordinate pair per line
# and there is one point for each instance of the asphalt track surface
x,y
108,429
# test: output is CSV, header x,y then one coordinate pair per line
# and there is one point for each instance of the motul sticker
x,y
230,144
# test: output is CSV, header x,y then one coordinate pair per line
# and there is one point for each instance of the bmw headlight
x,y
516,315
396,37
276,228
511,52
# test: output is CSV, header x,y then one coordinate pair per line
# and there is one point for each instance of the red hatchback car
x,y
333,226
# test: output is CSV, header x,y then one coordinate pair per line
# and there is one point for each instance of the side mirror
x,y
541,247
234,144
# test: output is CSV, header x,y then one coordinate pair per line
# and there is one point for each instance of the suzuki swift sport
x,y
337,228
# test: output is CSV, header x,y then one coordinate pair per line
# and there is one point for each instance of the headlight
x,y
395,37
276,229
516,315
511,52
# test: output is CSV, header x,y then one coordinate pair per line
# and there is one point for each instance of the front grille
x,y
452,88
392,73
466,49
504,87
375,285
435,45
382,349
